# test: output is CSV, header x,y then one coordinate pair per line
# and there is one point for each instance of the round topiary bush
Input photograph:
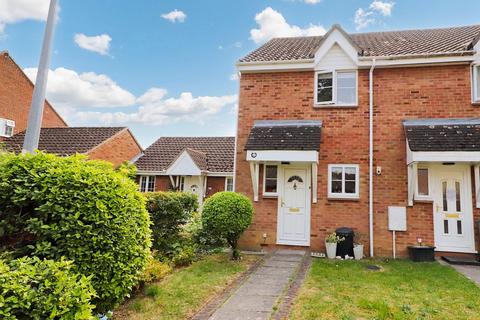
x,y
43,289
227,215
53,207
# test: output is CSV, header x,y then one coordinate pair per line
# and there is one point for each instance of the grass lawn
x,y
186,290
401,290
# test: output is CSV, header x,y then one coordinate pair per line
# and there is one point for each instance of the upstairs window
x,y
147,183
343,181
6,127
476,83
270,180
336,88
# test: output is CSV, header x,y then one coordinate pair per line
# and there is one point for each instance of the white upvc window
x,y
476,83
477,185
423,185
338,88
343,181
229,184
270,180
147,183
6,127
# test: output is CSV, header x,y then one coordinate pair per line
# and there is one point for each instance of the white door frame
x,y
465,171
308,190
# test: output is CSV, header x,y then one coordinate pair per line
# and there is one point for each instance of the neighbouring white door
x,y
194,184
452,209
293,227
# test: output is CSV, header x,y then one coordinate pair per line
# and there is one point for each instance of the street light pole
x,y
35,115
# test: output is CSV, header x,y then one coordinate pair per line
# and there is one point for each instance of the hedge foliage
x,y
54,207
170,212
227,215
31,288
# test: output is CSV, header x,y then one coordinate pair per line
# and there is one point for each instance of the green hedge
x,y
54,207
170,212
31,288
226,215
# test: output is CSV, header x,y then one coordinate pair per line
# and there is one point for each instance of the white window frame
x,y
269,194
419,197
477,185
147,182
343,195
6,123
334,88
226,183
475,79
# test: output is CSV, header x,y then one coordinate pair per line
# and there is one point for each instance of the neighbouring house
x,y
16,91
374,131
113,144
202,165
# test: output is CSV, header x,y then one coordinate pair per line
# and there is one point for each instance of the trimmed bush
x,y
170,212
155,270
43,289
54,207
227,215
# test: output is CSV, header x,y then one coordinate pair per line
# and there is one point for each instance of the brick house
x,y
111,144
374,131
202,165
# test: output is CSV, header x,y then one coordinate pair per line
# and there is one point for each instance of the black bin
x,y
345,247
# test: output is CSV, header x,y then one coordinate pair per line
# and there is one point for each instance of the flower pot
x,y
358,251
422,253
331,249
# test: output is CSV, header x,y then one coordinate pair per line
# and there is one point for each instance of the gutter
x,y
370,158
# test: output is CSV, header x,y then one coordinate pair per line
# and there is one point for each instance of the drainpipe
x,y
370,180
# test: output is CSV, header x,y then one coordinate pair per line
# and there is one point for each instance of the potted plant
x,y
331,244
357,245
421,252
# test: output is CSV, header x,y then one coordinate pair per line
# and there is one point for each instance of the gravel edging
x,y
286,300
218,300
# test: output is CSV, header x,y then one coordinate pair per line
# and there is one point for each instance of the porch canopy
x,y
278,141
440,141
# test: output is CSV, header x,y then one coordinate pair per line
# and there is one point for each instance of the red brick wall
x,y
16,95
402,93
120,148
215,184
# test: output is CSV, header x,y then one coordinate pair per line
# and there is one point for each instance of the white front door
x,y
293,226
452,209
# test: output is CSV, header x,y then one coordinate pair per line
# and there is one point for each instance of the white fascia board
x,y
184,166
336,37
220,174
150,173
282,155
443,156
297,65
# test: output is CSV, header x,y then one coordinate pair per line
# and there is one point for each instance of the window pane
x,y
350,173
324,87
445,226
459,227
349,186
346,87
271,185
422,177
477,68
143,182
336,187
337,173
151,184
229,184
457,196
444,195
324,95
271,172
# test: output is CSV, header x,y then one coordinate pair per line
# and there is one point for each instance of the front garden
x,y
401,289
78,239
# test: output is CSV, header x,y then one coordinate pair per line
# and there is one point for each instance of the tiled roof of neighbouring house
x,y
285,135
443,134
219,152
199,157
455,40
65,141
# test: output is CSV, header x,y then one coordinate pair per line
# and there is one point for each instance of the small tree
x,y
227,215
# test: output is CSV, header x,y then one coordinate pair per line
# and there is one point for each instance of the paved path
x,y
471,272
255,299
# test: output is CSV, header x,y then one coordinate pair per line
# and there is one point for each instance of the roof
x,y
285,135
443,134
219,153
65,141
454,40
199,157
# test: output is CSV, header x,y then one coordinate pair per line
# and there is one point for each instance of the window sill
x,y
332,105
476,103
270,196
424,200
343,198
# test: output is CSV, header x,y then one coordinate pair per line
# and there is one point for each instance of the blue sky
x,y
167,67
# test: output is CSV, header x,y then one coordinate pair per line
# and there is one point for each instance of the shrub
x,y
43,289
226,215
54,207
185,255
169,212
155,270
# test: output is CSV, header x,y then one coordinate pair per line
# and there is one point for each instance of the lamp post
x,y
38,99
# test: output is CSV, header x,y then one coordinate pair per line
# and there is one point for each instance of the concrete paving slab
x,y
261,289
244,315
471,272
275,271
286,258
281,264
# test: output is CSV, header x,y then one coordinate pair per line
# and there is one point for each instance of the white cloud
x,y
99,44
12,11
74,94
234,76
272,24
312,1
365,17
385,8
175,16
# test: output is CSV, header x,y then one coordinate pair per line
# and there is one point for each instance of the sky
x,y
167,68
